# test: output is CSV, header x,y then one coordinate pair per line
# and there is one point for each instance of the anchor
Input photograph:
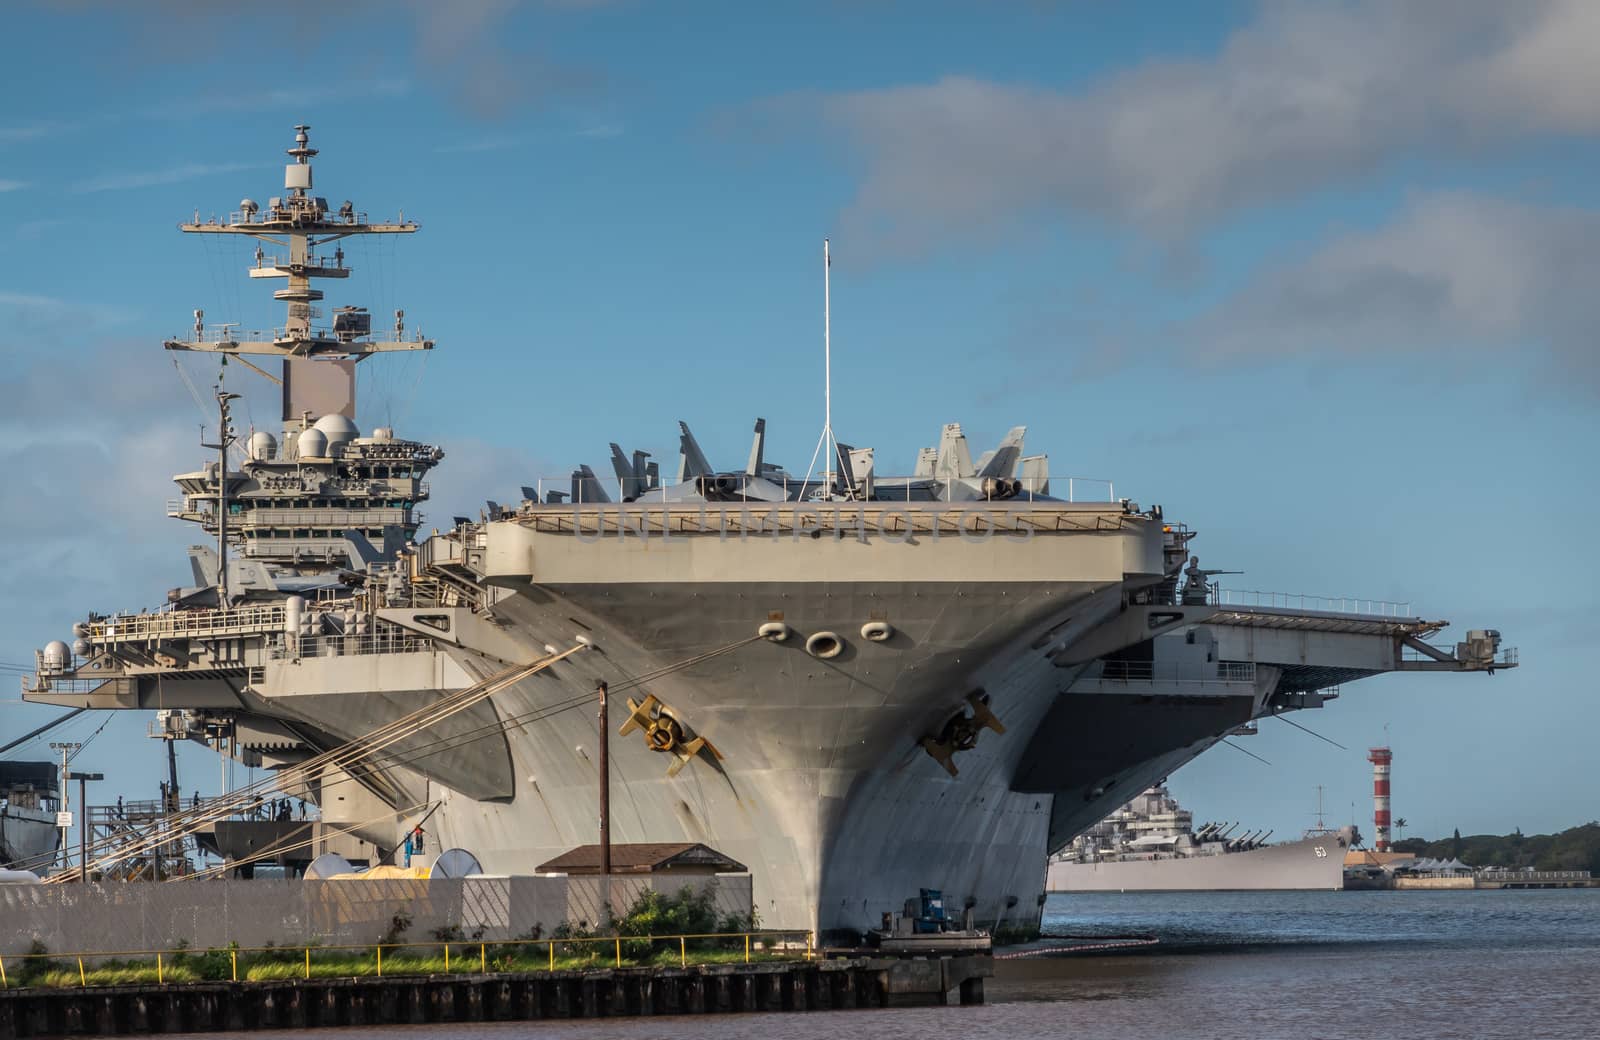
x,y
960,731
664,733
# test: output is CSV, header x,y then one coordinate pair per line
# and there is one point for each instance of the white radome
x,y
337,428
262,445
312,444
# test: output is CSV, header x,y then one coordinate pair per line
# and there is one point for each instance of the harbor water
x,y
1230,964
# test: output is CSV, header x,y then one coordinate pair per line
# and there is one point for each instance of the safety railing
x,y
1533,875
44,681
732,487
441,957
257,216
186,623
1506,657
334,521
349,646
1173,671
283,334
145,811
210,621
1322,604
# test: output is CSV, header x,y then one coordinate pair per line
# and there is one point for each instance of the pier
x,y
816,985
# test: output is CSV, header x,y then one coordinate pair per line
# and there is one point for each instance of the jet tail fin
x,y
1036,475
860,468
758,449
954,459
586,487
1002,462
203,564
626,478
362,553
691,460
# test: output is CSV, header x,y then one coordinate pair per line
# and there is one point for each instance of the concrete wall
x,y
112,917
1434,882
108,918
585,895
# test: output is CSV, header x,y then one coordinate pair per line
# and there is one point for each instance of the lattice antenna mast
x,y
301,222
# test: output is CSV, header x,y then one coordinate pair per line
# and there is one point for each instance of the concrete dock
x,y
840,984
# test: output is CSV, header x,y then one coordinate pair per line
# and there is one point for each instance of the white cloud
x,y
91,446
1305,96
39,319
492,143
299,97
31,132
9,185
1458,273
123,181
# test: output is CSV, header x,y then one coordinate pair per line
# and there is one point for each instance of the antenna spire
x,y
826,443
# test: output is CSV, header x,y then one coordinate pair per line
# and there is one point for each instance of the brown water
x,y
1519,965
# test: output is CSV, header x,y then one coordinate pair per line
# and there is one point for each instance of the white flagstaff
x,y
826,443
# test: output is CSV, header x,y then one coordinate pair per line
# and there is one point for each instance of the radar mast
x,y
318,361
325,498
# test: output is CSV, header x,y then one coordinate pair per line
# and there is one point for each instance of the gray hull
x,y
27,838
825,781
1309,864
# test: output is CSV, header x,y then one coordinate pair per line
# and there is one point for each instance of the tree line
x,y
1577,848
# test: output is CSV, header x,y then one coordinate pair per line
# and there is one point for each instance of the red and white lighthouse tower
x,y
1380,757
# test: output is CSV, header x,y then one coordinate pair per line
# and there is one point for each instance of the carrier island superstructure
x,y
858,686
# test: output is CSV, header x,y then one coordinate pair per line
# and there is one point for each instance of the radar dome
x,y
263,445
382,433
57,656
326,866
454,863
338,429
312,444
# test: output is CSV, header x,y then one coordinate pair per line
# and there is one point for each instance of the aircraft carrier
x,y
859,684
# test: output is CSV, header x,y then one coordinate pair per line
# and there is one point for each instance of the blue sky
x,y
1319,279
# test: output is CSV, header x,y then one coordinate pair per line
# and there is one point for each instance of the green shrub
x,y
36,964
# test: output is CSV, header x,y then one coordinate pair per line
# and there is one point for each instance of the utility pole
x,y
67,749
83,822
605,785
605,807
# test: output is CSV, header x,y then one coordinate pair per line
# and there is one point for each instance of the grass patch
x,y
687,913
130,974
467,960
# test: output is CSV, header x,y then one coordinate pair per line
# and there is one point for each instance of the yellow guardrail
x,y
359,956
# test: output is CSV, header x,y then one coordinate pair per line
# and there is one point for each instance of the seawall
x,y
320,1003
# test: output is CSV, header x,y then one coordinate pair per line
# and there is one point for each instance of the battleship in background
x,y
861,685
29,832
1150,845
